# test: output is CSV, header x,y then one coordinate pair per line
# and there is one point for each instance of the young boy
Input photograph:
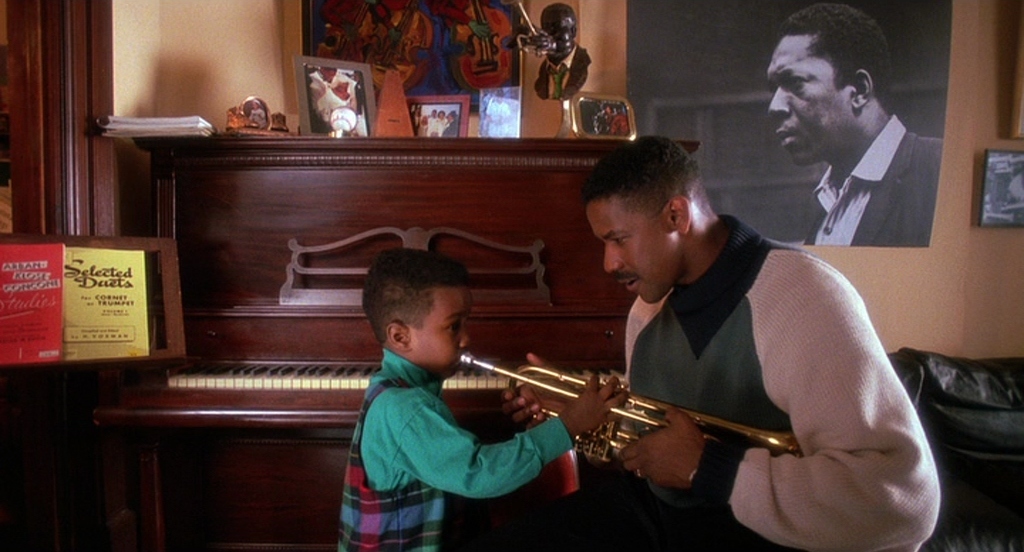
x,y
409,460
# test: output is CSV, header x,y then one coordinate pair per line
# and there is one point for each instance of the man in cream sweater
x,y
732,325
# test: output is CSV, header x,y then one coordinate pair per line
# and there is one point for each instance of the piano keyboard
x,y
307,377
273,376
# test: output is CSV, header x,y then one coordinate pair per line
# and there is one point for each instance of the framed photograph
x,y
439,116
440,48
1002,197
603,117
335,97
500,112
256,113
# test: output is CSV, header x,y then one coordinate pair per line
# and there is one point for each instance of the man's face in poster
x,y
810,113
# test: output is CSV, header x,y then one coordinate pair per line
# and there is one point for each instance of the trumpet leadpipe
x,y
533,375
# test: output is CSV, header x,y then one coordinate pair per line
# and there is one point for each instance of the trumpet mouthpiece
x,y
473,362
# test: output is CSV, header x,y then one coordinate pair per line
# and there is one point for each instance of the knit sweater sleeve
x,y
867,480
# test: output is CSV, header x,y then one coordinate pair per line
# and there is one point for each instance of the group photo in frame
x,y
438,48
439,116
336,98
603,117
1002,196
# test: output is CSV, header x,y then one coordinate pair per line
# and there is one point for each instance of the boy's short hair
x,y
645,174
399,286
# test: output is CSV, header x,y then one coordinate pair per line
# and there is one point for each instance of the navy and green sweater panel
x,y
723,381
703,306
409,518
699,353
702,341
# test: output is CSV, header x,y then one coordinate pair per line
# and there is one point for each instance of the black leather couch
x,y
973,414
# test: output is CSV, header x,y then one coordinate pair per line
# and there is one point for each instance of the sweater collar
x,y
395,366
744,247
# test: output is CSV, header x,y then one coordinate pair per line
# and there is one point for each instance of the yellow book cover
x,y
105,304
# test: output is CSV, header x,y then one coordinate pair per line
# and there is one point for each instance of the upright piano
x,y
243,447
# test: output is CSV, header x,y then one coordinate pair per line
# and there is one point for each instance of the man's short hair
x,y
848,38
645,174
399,286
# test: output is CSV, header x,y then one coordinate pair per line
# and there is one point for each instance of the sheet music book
x,y
155,126
106,311
31,302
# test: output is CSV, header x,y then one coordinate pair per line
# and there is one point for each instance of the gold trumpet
x,y
605,442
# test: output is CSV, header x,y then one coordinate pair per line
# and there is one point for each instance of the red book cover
x,y
31,302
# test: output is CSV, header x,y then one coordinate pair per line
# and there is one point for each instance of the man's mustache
x,y
623,277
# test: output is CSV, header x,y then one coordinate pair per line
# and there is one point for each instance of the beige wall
x,y
963,295
199,57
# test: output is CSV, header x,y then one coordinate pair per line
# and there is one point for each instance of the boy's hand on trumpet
x,y
523,403
588,411
529,405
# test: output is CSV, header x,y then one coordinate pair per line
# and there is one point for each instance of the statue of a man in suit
x,y
564,69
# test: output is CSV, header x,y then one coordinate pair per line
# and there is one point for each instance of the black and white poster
x,y
717,72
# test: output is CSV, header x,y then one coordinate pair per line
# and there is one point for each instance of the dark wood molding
x,y
61,66
25,22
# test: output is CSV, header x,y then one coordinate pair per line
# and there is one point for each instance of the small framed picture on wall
x,y
1002,197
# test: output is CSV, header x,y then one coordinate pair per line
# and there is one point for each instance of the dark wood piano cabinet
x,y
248,469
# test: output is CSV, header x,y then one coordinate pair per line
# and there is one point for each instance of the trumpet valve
x,y
601,444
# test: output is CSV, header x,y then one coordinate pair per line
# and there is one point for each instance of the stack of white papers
x,y
155,126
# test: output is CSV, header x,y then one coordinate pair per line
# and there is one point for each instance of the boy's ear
x,y
398,336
